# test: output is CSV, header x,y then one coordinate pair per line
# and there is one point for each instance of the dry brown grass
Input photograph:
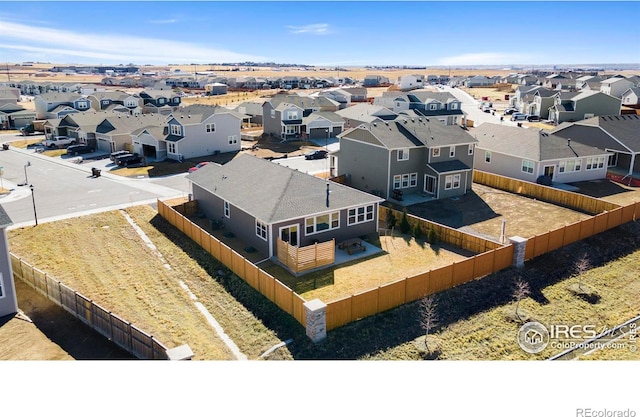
x,y
403,256
102,257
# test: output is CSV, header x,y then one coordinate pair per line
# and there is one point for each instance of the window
x,y
82,105
273,113
595,163
161,101
452,151
396,181
405,181
454,106
452,181
360,215
176,130
292,115
527,166
403,154
290,130
321,223
233,139
435,152
261,229
171,147
433,107
413,180
470,152
211,127
226,210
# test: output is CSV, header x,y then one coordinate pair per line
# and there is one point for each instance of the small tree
x,y
432,236
521,290
582,265
405,226
428,317
417,231
391,220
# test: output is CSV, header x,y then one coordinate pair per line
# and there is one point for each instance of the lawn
x,y
402,256
102,257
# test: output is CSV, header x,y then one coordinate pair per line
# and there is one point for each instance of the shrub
x,y
405,226
391,220
432,236
417,231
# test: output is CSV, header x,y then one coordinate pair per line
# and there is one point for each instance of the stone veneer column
x,y
316,320
519,246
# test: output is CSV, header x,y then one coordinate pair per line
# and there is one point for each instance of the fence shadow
x,y
455,212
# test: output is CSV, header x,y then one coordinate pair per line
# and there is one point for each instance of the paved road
x,y
470,106
63,189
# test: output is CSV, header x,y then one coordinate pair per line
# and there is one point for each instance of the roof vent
x,y
568,142
374,124
386,123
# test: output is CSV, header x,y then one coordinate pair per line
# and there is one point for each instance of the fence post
x,y
180,353
519,246
316,312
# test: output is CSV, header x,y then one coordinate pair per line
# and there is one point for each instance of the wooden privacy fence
x,y
388,296
444,233
261,281
555,239
307,257
114,328
552,195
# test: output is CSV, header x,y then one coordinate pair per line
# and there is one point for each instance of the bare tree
x,y
580,266
428,317
521,290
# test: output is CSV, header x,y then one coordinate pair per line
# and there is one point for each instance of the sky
x,y
321,33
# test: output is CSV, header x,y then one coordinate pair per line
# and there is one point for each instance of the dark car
x,y
80,149
129,159
533,118
319,154
114,155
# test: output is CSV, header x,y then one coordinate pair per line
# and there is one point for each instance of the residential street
x,y
470,106
63,189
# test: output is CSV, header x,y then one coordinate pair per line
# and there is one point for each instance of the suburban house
x,y
322,125
261,202
631,98
364,113
159,101
115,132
617,135
8,299
443,106
523,97
375,81
615,86
79,126
552,81
358,94
13,116
570,107
526,154
338,95
480,81
411,82
406,156
282,115
9,95
543,98
116,101
252,112
200,130
58,105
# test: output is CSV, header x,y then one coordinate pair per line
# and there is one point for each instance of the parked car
x,y
116,154
518,116
198,166
58,142
510,111
79,149
319,154
129,159
533,118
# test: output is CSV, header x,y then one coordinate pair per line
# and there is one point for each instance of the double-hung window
x,y
360,215
527,166
322,222
261,229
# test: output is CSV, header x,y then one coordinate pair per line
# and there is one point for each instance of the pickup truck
x,y
58,142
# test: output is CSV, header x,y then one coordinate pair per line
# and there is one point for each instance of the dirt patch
x,y
482,211
609,191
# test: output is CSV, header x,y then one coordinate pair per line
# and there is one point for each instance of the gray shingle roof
x,y
532,144
5,220
272,192
197,113
449,166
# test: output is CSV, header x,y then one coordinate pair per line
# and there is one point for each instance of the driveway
x,y
470,106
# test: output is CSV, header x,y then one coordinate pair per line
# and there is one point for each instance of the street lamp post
x,y
33,200
26,180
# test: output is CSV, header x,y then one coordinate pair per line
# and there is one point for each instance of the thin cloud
x,y
65,44
484,58
313,29
163,21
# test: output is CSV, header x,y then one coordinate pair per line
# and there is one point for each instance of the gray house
x,y
571,107
8,300
58,105
526,154
364,113
260,201
200,130
416,155
443,106
631,98
282,115
615,134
